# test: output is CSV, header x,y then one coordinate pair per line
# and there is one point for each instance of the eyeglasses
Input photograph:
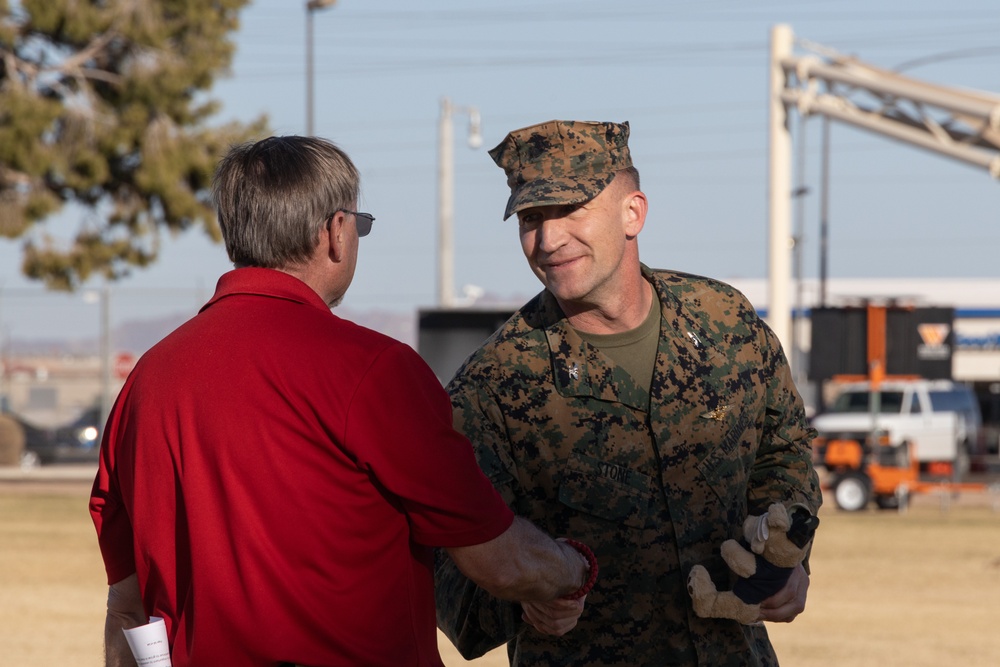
x,y
362,220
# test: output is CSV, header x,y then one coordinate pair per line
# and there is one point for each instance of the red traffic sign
x,y
124,363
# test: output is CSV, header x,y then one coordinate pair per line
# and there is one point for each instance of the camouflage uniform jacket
x,y
653,484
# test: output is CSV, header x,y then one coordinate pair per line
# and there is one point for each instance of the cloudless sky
x,y
691,78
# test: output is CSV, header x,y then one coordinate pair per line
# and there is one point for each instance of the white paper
x,y
149,643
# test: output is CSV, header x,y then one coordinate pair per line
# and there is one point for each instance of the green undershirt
x,y
633,351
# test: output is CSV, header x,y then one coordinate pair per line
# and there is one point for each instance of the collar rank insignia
x,y
717,414
574,372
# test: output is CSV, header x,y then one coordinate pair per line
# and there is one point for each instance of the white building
x,y
976,353
976,357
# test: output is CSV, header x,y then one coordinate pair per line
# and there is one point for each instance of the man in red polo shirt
x,y
273,478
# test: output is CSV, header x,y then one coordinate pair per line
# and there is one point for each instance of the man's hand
x,y
556,617
522,563
790,601
124,611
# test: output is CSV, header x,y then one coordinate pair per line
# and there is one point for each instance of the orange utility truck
x,y
887,436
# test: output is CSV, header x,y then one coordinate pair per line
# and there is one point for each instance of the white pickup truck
x,y
939,418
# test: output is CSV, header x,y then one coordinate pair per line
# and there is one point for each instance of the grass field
x,y
920,589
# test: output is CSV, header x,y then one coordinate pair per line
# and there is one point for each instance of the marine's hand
x,y
790,601
556,617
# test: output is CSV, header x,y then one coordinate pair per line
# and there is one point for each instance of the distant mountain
x,y
137,336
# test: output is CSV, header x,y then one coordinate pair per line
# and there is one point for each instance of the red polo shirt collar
x,y
265,282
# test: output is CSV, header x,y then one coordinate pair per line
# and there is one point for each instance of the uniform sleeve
x,y
474,620
783,469
399,427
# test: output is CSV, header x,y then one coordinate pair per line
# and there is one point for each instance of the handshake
x,y
549,578
559,616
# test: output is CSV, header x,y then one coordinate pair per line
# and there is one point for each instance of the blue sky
x,y
690,77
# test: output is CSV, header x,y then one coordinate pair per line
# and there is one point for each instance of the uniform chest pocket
x,y
608,491
725,467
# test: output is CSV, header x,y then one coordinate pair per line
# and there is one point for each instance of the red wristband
x,y
592,574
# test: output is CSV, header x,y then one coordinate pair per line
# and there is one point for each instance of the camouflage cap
x,y
561,162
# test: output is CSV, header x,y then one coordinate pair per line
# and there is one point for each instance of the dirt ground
x,y
920,589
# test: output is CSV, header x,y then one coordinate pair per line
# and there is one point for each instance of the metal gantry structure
x,y
960,124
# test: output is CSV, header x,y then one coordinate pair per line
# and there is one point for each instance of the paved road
x,y
63,472
63,478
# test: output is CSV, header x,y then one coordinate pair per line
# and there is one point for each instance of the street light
x,y
103,297
446,195
311,6
798,195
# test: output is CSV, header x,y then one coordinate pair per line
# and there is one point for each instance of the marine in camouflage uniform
x,y
652,481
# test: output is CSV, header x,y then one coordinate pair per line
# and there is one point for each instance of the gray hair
x,y
274,196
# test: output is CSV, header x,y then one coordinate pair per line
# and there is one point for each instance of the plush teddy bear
x,y
778,540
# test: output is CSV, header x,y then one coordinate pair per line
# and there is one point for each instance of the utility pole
x,y
102,298
824,214
798,247
446,194
311,7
